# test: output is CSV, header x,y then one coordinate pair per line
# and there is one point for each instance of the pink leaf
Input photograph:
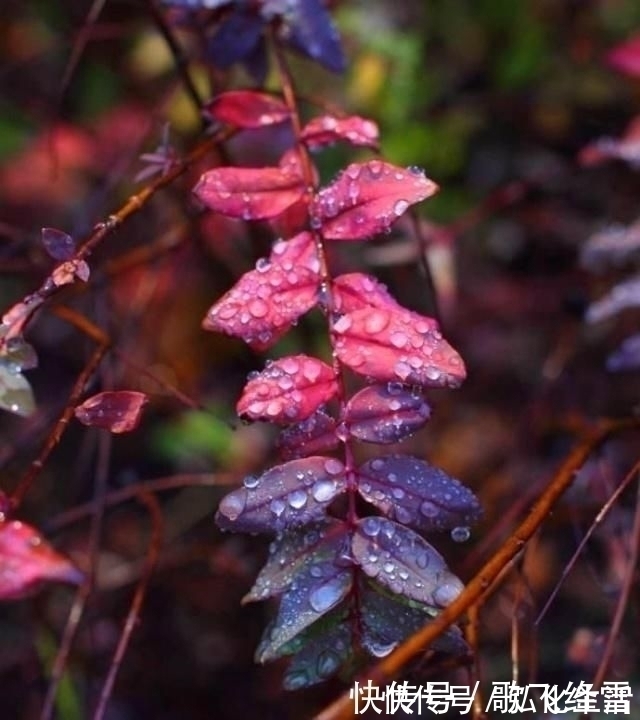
x,y
27,559
267,301
385,413
625,57
286,496
248,109
289,390
625,148
315,435
326,130
397,346
118,411
250,193
367,198
357,290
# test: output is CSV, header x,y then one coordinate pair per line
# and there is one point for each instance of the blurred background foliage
x,y
495,99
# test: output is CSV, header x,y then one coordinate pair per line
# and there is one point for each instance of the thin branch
x,y
136,604
390,666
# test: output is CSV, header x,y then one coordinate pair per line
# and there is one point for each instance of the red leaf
x,y
27,559
367,198
326,130
289,390
315,435
397,346
248,109
267,301
385,414
118,411
357,290
250,193
625,57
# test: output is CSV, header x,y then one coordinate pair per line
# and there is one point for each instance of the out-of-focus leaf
x,y
415,493
386,622
386,413
248,109
327,130
58,244
404,562
397,346
625,57
118,411
267,301
612,246
288,390
286,496
315,590
367,198
316,434
250,193
627,355
16,394
307,27
27,559
621,297
626,148
290,551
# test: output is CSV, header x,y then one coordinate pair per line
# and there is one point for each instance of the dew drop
x,y
371,526
460,534
323,490
297,499
296,680
381,650
328,663
258,308
233,504
402,370
376,321
326,596
445,594
263,265
316,571
333,466
428,509
277,507
398,339
400,207
251,482
388,567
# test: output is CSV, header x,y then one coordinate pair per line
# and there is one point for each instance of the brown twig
x,y
136,604
388,668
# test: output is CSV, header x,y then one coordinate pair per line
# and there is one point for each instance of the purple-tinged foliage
x,y
59,245
404,562
386,414
622,296
626,356
316,434
118,411
417,494
286,496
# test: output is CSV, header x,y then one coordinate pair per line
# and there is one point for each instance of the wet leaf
x,y
290,551
415,493
320,657
625,57
27,560
250,193
58,244
386,622
248,109
627,356
267,301
366,199
355,291
316,434
286,496
386,413
316,589
404,562
288,390
118,411
327,130
16,394
622,296
397,346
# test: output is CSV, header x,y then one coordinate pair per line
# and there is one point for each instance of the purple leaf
x,y
290,551
237,37
58,244
317,588
622,296
386,413
366,199
288,390
627,355
404,562
286,496
316,434
611,247
417,494
267,301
